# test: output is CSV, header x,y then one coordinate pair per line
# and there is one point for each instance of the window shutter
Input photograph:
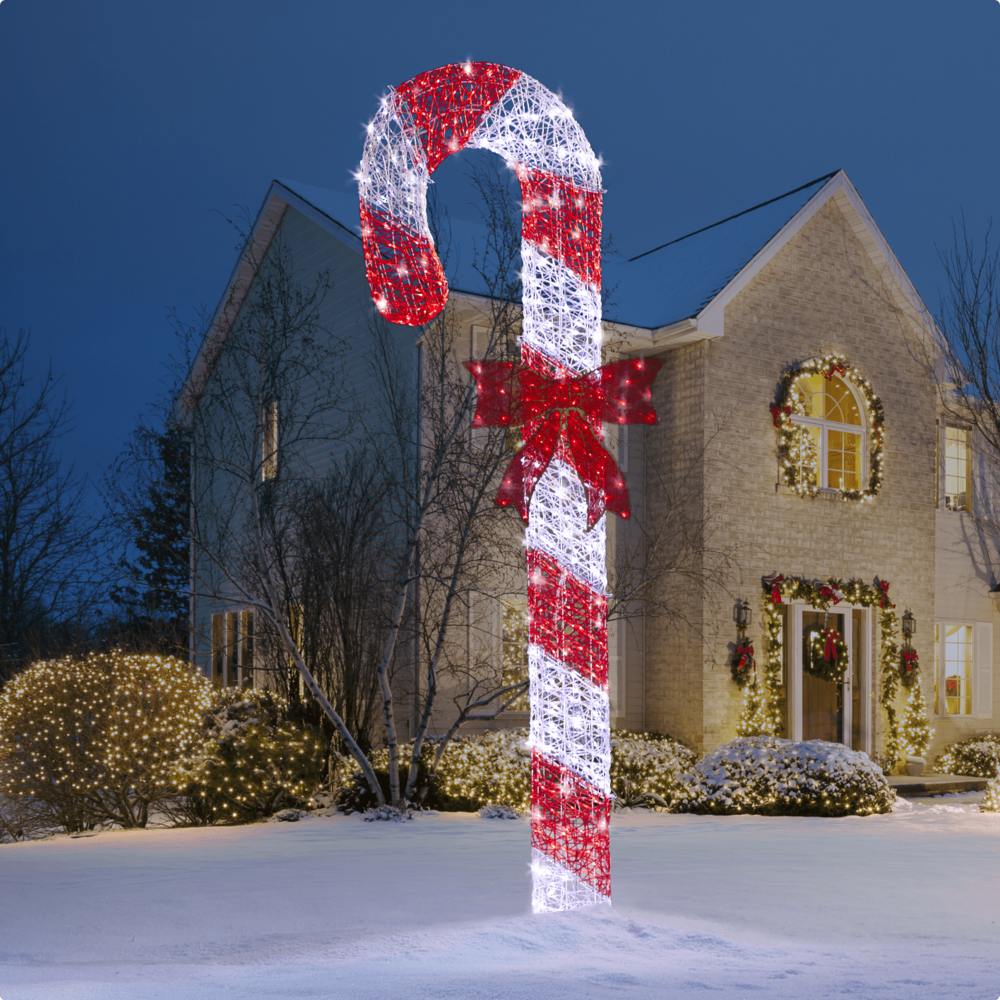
x,y
984,670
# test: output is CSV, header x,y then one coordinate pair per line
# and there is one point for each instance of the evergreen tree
x,y
150,493
754,719
915,730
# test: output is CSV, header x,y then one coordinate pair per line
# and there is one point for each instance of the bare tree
x,y
49,561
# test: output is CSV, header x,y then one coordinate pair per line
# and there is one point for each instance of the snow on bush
x,y
386,814
252,762
499,812
776,777
94,740
645,767
991,803
978,756
494,769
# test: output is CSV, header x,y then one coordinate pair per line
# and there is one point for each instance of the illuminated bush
x,y
645,767
494,769
775,777
95,740
978,756
252,762
991,803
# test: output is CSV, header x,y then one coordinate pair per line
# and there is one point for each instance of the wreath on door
x,y
827,658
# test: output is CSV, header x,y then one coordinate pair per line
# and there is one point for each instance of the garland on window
x,y
762,710
781,414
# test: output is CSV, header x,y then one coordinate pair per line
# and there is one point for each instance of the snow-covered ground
x,y
905,905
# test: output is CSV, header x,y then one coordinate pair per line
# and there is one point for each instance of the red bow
x,y
838,366
563,414
883,586
827,593
830,649
909,657
775,591
777,411
746,656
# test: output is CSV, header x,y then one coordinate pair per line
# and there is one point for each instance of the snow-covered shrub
x,y
978,756
776,777
252,761
386,814
494,769
991,802
645,767
499,812
95,739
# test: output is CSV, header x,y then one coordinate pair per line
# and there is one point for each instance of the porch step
x,y
935,784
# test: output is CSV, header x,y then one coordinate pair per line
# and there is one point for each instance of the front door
x,y
821,709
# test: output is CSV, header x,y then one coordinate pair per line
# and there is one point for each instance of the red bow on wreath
x,y
883,586
774,584
777,411
838,366
745,653
561,417
909,659
830,649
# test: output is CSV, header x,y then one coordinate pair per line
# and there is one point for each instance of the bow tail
x,y
598,471
527,466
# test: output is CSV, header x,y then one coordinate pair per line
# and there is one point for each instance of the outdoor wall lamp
x,y
742,615
909,625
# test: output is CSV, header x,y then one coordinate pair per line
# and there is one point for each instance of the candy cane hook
x,y
489,106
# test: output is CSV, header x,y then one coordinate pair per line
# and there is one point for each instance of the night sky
x,y
130,130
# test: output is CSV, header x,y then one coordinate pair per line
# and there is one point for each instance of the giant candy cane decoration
x,y
559,394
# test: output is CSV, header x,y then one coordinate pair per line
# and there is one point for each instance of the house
x,y
801,441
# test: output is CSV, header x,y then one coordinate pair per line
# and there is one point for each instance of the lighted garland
x,y
788,446
766,716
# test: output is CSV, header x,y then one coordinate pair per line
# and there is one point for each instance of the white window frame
x,y
233,654
943,426
981,700
826,426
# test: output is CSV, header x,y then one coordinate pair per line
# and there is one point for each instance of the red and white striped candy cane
x,y
489,106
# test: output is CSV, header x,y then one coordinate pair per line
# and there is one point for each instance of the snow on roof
x,y
672,282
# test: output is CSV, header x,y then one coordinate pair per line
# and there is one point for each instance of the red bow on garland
x,y
883,586
909,658
777,411
830,649
839,367
745,654
827,593
560,415
774,583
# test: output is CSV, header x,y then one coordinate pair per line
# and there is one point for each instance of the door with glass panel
x,y
817,707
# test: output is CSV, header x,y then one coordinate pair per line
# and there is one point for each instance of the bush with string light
x,y
775,777
252,762
978,756
991,802
95,740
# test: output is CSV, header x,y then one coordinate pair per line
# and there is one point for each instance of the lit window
x,y
232,649
269,441
515,649
953,669
957,469
829,433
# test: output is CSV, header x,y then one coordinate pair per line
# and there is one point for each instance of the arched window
x,y
828,445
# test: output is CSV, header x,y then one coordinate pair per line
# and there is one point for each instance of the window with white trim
x,y
830,433
232,649
957,469
269,441
963,669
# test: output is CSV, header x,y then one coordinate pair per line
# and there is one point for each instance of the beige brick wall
x,y
819,294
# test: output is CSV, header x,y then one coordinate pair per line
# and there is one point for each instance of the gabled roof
x,y
673,294
677,279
